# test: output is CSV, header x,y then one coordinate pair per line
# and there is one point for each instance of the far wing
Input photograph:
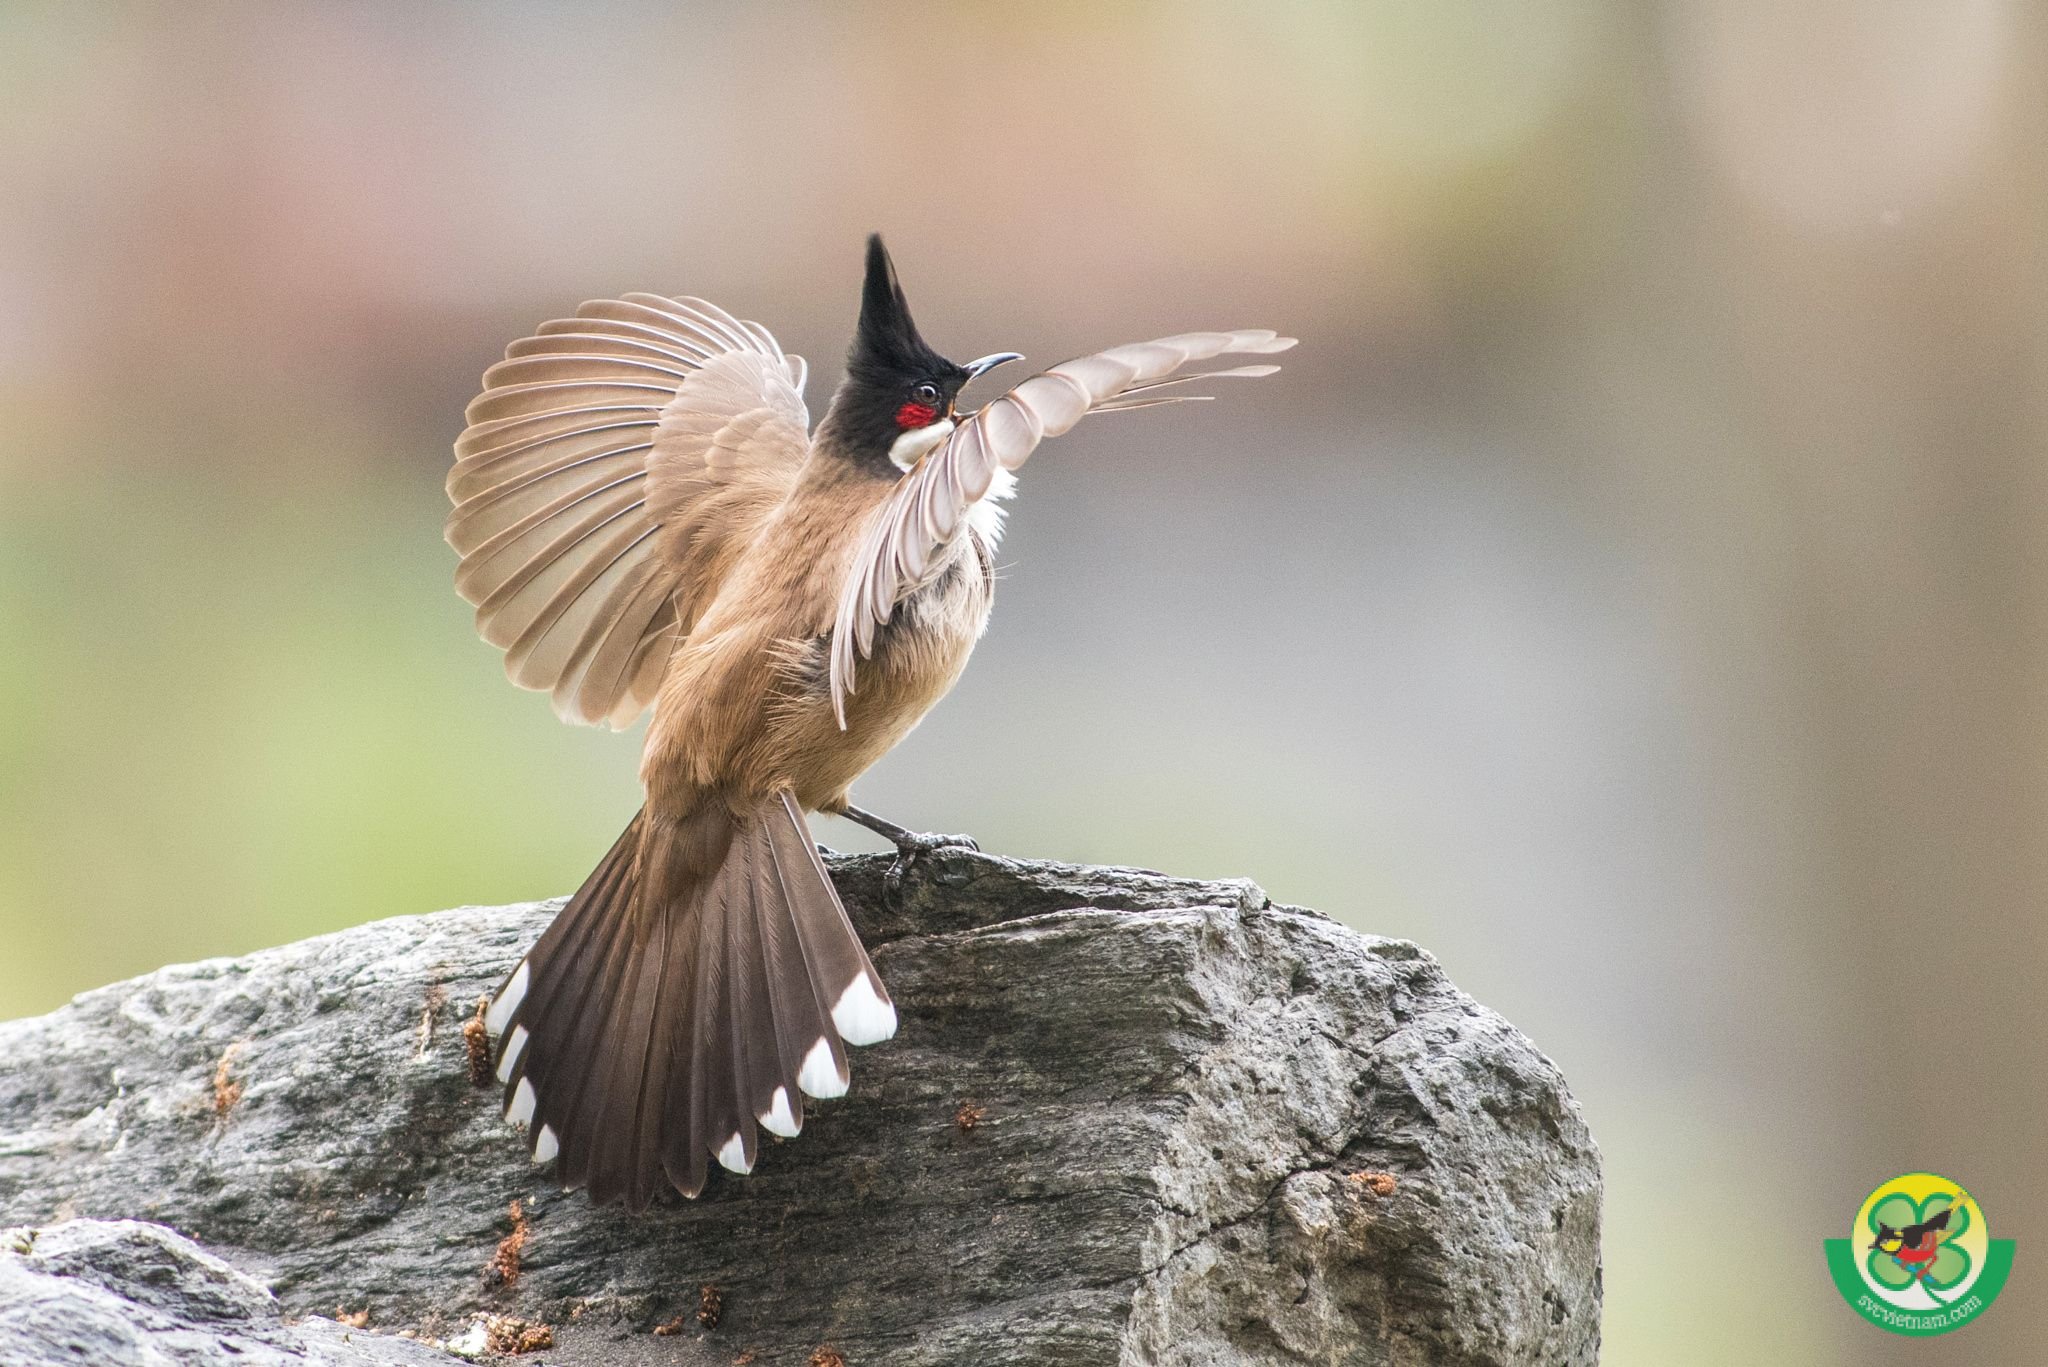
x,y
598,487
928,507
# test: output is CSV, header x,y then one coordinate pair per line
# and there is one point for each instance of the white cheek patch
x,y
913,445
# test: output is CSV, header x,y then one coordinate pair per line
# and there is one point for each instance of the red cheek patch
x,y
915,415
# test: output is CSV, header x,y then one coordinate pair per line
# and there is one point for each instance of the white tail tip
x,y
521,1109
546,1146
507,1001
780,1120
514,1047
732,1155
820,1076
862,1017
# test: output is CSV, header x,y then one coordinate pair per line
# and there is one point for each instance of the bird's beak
x,y
988,363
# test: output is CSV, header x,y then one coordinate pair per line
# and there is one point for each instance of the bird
x,y
646,520
1912,1244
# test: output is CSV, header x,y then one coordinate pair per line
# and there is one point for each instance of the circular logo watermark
x,y
1920,1258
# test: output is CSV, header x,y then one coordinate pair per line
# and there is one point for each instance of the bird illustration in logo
x,y
1915,1247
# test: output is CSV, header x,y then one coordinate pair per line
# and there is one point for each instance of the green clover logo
x,y
1951,1266
1938,1282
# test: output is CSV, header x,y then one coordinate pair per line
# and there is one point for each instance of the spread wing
x,y
612,465
928,507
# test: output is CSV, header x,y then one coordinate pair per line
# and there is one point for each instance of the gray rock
x,y
1127,1119
127,1294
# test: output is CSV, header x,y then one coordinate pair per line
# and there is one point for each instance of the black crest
x,y
885,343
886,368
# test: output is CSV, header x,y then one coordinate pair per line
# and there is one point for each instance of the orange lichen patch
x,y
437,997
968,1116
359,1320
668,1329
476,1039
227,1091
827,1356
746,1356
1380,1184
504,1334
710,1304
503,1268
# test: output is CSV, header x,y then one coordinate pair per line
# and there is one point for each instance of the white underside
x,y
861,1016
984,515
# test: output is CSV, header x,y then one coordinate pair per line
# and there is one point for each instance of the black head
x,y
895,384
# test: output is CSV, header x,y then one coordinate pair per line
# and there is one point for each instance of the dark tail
x,y
698,983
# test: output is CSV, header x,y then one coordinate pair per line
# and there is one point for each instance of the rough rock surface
x,y
1127,1119
127,1294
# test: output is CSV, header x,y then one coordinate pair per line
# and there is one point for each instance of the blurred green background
x,y
1632,589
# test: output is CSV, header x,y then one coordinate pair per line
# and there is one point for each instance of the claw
x,y
915,845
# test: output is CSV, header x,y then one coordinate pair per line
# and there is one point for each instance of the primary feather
x,y
610,465
928,507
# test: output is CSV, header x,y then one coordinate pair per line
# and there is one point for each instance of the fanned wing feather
x,y
928,507
579,489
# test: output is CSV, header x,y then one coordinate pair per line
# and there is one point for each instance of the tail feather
x,y
821,1070
628,1070
642,1069
698,1025
570,1013
750,1065
720,1024
860,1009
581,949
780,975
695,987
633,1056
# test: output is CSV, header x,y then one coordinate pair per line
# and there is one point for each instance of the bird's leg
x,y
910,845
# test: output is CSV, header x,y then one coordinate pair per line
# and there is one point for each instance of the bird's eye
x,y
926,393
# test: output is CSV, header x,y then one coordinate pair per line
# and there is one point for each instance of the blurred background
x,y
1632,589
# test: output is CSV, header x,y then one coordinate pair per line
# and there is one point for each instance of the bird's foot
x,y
915,845
911,846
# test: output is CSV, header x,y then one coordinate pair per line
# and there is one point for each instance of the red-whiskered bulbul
x,y
644,517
